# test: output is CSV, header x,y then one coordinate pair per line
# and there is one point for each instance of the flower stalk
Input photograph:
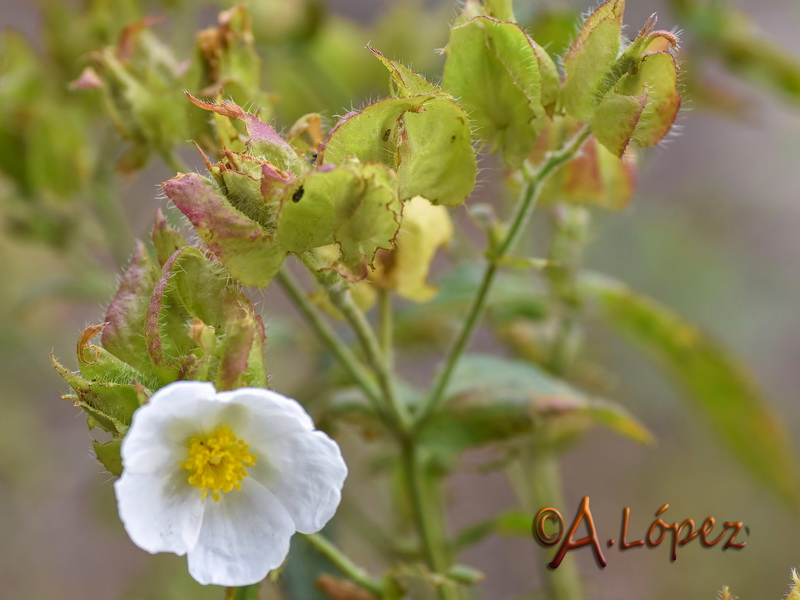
x,y
527,204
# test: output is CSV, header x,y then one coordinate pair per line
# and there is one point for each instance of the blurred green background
x,y
712,232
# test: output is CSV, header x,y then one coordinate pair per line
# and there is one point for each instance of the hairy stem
x,y
527,203
386,326
425,506
344,564
340,295
328,337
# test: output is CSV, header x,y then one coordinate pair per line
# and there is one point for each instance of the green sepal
x,y
368,221
246,248
123,336
493,69
502,10
264,142
191,288
108,454
307,215
354,205
403,81
437,159
400,133
240,355
166,239
111,405
228,62
615,119
591,57
595,177
657,78
98,365
243,185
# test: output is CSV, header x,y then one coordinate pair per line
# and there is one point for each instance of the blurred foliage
x,y
101,94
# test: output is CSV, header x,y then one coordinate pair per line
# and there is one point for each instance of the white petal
x,y
244,536
306,472
160,429
161,512
270,413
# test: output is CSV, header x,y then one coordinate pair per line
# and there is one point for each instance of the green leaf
x,y
244,246
714,382
493,69
614,120
109,455
591,57
507,524
491,399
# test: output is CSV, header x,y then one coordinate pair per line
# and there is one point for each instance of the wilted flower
x,y
226,478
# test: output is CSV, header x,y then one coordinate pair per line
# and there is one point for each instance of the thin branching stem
x,y
534,181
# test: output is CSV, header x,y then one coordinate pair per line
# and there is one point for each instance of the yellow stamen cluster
x,y
216,463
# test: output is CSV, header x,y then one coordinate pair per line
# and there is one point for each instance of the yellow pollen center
x,y
216,463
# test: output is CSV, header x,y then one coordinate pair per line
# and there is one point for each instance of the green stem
x,y
329,338
538,473
527,203
341,297
425,508
386,326
344,564
248,592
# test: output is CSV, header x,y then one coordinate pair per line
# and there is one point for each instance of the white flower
x,y
226,478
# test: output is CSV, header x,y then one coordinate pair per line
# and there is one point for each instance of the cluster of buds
x,y
177,318
271,196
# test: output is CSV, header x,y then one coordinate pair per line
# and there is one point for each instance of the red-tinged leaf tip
x,y
87,80
257,130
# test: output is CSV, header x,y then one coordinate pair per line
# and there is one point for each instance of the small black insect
x,y
298,194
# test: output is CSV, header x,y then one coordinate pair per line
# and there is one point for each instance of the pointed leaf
x,y
715,382
493,399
